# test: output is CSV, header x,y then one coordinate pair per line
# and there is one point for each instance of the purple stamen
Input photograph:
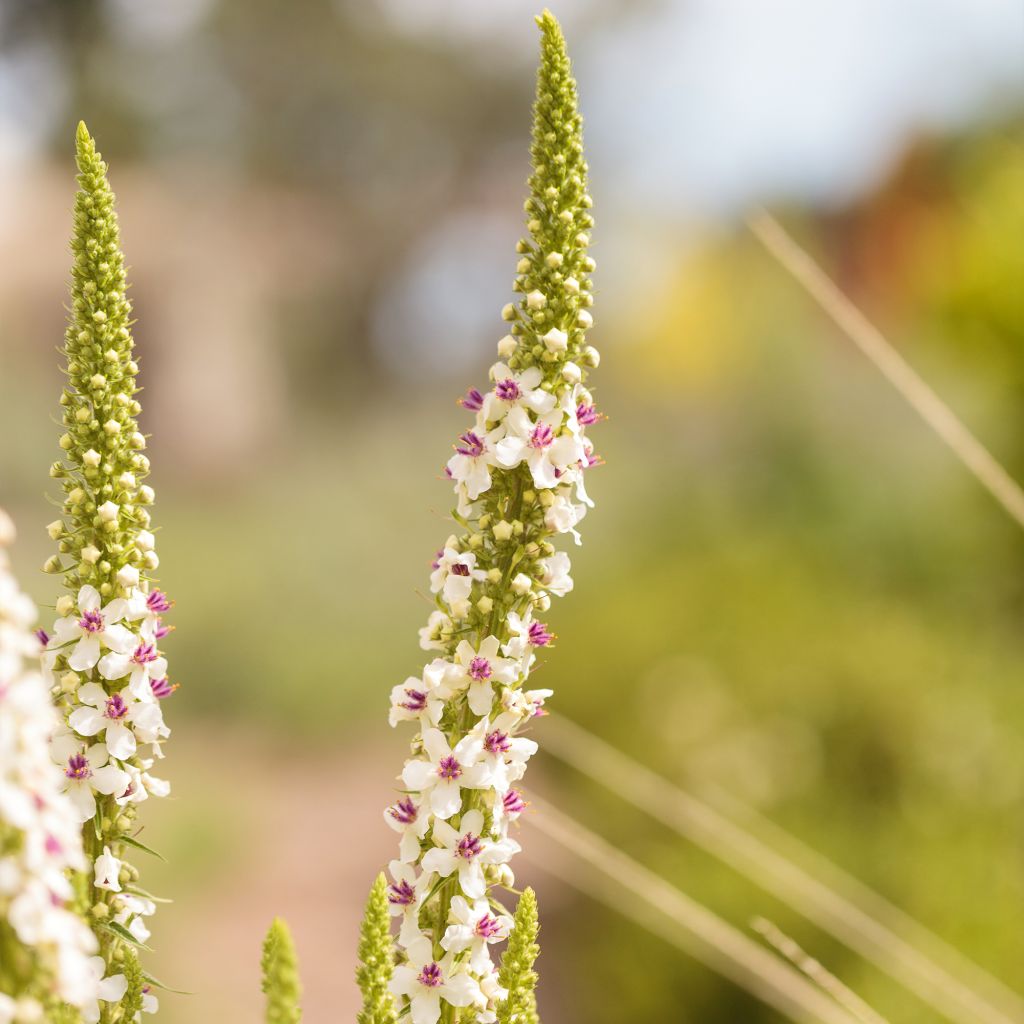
x,y
53,846
417,700
91,622
161,631
401,894
158,601
404,812
497,742
469,846
431,976
538,634
162,688
43,636
460,569
542,437
473,401
436,563
514,802
78,767
507,390
144,654
116,708
587,415
449,768
488,926
480,669
472,445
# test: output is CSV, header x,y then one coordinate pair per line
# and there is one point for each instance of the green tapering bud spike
x,y
376,955
517,973
102,532
553,274
281,976
131,1004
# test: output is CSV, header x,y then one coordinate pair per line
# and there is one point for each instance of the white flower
x,y
430,635
470,465
140,661
424,982
504,754
454,572
562,515
556,340
467,852
107,871
111,990
480,668
475,927
94,628
405,897
515,389
539,444
86,772
423,698
555,574
132,913
121,718
411,821
447,772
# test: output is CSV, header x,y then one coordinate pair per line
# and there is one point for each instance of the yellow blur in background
x,y
790,597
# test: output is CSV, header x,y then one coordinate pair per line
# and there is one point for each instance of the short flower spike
x,y
281,976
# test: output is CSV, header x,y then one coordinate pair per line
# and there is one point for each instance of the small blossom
x,y
466,851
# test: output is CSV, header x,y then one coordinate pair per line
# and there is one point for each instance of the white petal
x,y
85,655
87,721
446,799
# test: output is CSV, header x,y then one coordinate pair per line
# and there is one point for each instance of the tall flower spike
x,y
103,657
518,475
45,948
376,957
281,975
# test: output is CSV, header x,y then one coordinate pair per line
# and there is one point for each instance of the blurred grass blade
x,y
643,896
816,972
925,402
837,909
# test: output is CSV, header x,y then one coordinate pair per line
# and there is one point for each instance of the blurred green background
x,y
789,592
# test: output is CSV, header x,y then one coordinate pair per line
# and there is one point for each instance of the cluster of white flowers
x,y
104,662
40,836
519,481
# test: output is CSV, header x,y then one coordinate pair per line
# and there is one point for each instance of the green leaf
x,y
129,841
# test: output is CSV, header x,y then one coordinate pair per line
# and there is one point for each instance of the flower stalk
x,y
281,983
103,658
518,474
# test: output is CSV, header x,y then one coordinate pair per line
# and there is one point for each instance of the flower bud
x,y
572,373
521,584
55,529
91,554
485,605
502,530
91,458
584,319
591,357
556,340
536,300
507,347
128,576
109,511
554,260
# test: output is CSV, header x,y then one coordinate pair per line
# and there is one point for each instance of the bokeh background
x,y
790,596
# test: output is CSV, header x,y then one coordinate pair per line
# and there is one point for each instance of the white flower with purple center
x,y
142,663
515,389
405,897
466,851
441,779
475,926
562,515
470,466
425,982
86,772
422,699
540,444
479,668
411,821
120,717
94,627
453,573
525,704
505,755
527,634
510,805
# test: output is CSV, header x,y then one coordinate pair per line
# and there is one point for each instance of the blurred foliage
x,y
788,591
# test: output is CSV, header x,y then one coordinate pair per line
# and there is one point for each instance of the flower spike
x,y
518,473
102,657
281,976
